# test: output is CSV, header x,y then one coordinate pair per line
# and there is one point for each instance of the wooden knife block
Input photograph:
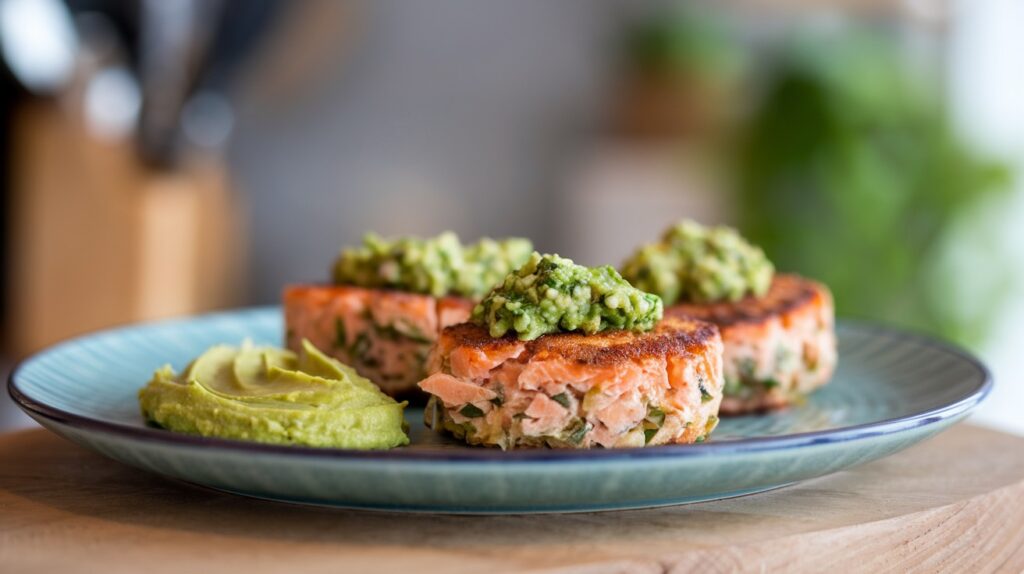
x,y
99,239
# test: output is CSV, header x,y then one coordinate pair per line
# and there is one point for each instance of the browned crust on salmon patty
x,y
787,294
672,335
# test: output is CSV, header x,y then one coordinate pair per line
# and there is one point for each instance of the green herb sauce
x,y
436,266
700,264
551,294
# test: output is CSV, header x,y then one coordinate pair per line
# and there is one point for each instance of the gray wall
x,y
442,115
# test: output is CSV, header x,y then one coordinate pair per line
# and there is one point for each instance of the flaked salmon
x,y
778,347
569,390
385,335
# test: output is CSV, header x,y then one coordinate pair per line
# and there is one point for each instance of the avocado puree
x,y
272,395
550,294
701,264
437,266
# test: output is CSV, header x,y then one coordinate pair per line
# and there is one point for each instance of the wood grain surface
x,y
952,504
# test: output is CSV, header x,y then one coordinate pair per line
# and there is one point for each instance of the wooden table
x,y
954,503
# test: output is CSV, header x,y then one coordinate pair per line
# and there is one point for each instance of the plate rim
x,y
488,455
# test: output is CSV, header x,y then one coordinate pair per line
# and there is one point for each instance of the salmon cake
x,y
778,346
778,330
385,335
390,299
621,388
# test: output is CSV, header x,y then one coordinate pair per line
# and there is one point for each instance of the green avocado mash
x,y
700,264
550,294
272,395
437,266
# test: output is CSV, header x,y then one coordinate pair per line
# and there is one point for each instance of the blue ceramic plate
x,y
891,391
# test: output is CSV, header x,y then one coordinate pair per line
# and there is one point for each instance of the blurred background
x,y
167,158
